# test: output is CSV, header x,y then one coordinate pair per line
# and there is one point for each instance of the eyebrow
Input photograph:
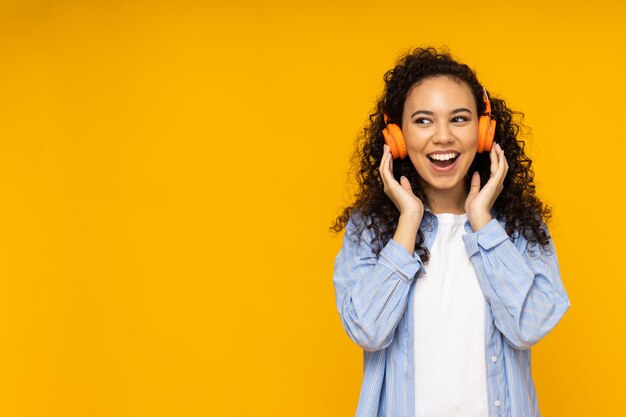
x,y
460,109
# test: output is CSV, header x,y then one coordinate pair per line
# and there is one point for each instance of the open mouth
x,y
444,160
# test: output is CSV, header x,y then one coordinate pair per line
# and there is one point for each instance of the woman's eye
x,y
421,120
460,118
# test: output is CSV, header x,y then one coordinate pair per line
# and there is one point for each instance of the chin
x,y
443,184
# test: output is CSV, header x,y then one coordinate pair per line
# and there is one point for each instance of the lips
x,y
443,161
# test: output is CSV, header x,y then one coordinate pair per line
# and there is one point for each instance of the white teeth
x,y
444,156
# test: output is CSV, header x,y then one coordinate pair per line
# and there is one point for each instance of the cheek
x,y
420,163
473,136
474,141
416,142
416,148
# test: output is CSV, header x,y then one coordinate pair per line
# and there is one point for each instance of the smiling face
x,y
440,125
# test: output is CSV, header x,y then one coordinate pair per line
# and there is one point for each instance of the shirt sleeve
x,y
371,292
521,282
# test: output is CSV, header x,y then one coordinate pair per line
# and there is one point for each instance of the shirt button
x,y
497,403
493,359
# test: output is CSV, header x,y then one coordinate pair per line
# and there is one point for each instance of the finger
x,y
502,165
475,184
383,160
381,167
385,169
505,162
493,157
389,164
404,181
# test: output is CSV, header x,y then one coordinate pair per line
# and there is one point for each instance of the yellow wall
x,y
168,171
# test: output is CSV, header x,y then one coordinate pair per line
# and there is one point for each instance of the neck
x,y
447,201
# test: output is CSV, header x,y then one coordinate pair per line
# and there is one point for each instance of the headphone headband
x,y
487,102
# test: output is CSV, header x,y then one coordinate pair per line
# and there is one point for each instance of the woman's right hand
x,y
399,192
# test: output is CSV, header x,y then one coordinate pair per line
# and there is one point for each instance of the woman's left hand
x,y
479,202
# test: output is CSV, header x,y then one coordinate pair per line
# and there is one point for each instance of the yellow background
x,y
169,171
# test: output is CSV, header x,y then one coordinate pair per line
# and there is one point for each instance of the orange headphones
x,y
486,130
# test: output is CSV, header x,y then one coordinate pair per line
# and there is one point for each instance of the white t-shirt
x,y
449,332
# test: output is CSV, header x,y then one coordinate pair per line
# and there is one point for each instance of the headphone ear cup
x,y
395,140
490,134
483,128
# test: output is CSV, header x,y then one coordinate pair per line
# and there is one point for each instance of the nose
x,y
443,134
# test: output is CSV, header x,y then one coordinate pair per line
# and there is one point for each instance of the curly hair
x,y
517,204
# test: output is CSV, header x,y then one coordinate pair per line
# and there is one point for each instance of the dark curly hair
x,y
517,204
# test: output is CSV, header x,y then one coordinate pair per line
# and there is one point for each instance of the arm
x,y
371,293
522,284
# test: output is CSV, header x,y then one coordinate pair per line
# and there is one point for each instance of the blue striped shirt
x,y
524,297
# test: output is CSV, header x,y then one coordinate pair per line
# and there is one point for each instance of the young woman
x,y
447,275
